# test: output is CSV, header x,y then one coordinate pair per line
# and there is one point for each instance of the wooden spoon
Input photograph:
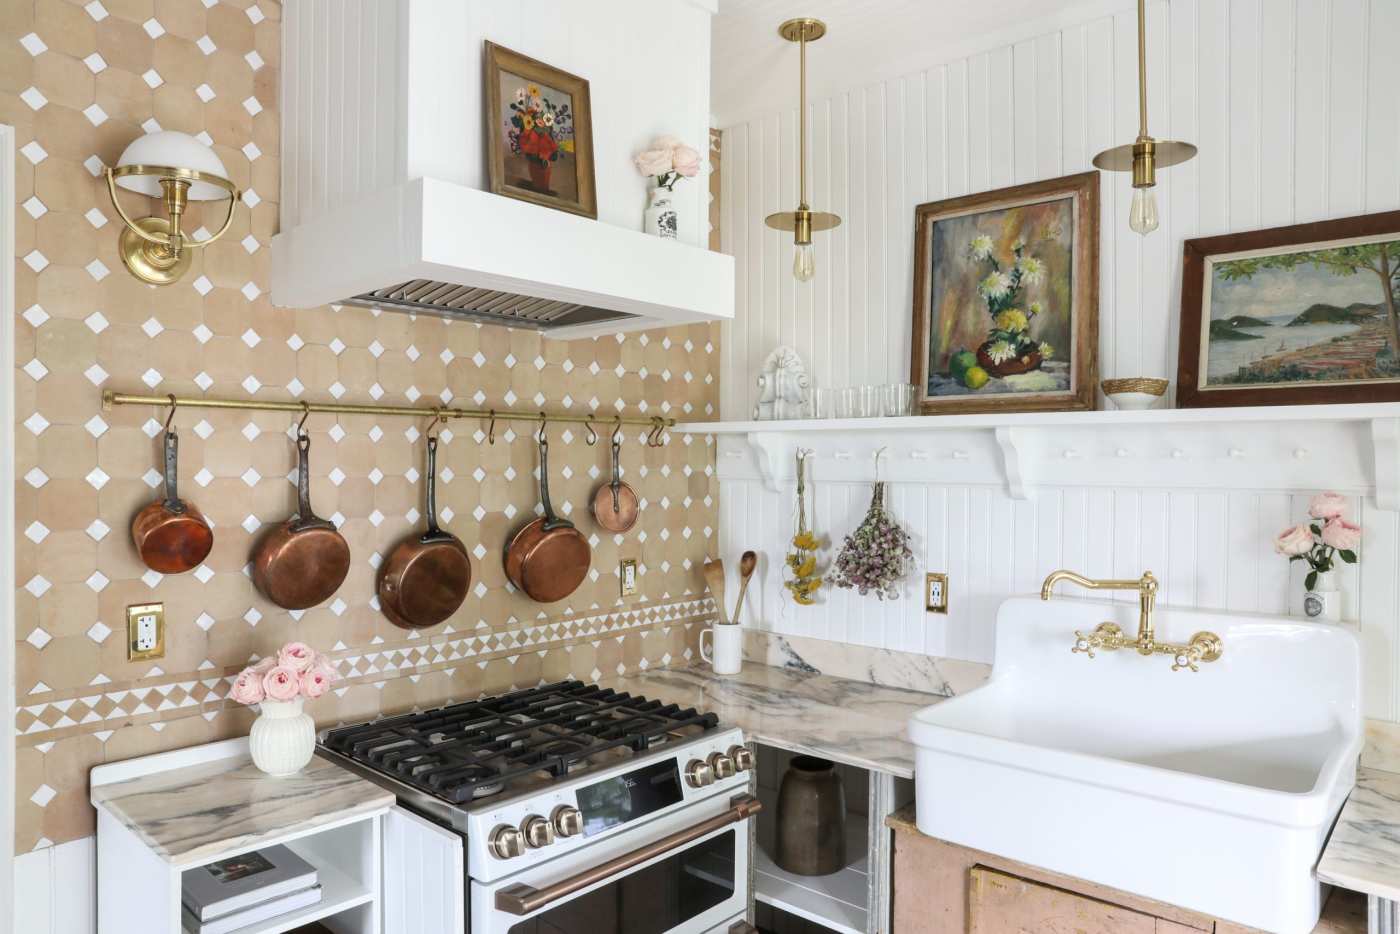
x,y
714,576
747,561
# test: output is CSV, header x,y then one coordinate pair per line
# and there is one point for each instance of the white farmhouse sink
x,y
1212,790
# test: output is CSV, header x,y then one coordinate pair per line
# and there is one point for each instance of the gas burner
x,y
465,752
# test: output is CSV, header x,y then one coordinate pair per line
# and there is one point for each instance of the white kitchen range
x,y
569,807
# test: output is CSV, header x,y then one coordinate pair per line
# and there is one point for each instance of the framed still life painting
x,y
1292,316
1006,299
539,133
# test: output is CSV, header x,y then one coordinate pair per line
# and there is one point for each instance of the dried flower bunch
x,y
297,670
801,562
1329,535
876,556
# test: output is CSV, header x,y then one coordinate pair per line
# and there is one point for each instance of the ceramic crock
x,y
811,818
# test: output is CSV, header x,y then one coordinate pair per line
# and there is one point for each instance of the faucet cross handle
x,y
1203,647
1083,643
1186,659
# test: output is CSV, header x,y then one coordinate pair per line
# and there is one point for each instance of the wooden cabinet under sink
x,y
941,888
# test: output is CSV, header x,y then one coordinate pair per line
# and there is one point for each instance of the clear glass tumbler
x,y
846,402
897,399
824,403
867,401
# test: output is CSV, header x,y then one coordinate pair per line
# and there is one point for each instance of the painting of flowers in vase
x,y
540,139
1005,299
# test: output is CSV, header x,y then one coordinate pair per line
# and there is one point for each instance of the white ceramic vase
x,y
660,219
1324,600
283,738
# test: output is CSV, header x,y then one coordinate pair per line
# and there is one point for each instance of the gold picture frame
x,y
539,133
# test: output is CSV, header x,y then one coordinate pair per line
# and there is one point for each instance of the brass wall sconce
x,y
176,168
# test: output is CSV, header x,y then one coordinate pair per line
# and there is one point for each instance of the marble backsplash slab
x,y
886,667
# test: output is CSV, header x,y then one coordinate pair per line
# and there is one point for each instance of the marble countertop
x,y
846,721
191,815
1363,853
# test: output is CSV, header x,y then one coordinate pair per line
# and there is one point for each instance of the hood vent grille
x,y
449,300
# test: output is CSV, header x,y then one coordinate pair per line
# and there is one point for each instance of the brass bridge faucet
x,y
1203,647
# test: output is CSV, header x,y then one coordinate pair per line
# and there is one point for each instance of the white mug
x,y
726,653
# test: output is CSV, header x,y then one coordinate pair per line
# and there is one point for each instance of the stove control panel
x,y
574,814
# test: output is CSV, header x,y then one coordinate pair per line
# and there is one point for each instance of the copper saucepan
x,y
615,505
426,576
171,535
303,561
547,558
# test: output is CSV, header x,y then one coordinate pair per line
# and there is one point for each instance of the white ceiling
x,y
754,70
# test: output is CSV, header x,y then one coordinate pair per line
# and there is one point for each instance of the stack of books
x,y
246,889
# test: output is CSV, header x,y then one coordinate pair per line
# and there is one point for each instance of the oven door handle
x,y
521,899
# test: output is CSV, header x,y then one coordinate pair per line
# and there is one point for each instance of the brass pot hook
x,y
437,419
540,437
491,428
617,430
171,417
592,435
305,414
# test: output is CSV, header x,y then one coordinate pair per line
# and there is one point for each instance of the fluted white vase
x,y
283,738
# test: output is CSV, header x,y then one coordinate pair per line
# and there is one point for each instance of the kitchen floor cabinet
x,y
942,888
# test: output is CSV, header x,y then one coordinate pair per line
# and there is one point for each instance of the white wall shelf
x,y
1344,447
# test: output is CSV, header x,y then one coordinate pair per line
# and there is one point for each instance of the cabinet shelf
x,y
1353,447
836,901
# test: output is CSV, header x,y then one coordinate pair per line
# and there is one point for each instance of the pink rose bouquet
x,y
668,160
1324,539
296,671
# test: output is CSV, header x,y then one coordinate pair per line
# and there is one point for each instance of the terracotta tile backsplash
x,y
79,81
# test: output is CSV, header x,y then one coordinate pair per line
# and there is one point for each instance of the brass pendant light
x,y
1145,155
804,221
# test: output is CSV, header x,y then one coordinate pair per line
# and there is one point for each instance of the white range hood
x,y
428,246
384,199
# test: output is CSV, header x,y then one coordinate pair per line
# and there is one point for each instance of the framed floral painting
x,y
539,133
1006,299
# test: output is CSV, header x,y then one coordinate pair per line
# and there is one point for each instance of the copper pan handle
x,y
524,899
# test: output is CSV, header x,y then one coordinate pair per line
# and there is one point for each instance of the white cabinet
x,y
424,877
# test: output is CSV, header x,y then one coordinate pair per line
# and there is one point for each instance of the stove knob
x,y
722,766
568,822
507,842
699,774
537,831
742,756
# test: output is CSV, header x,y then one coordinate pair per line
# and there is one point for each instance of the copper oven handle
x,y
523,899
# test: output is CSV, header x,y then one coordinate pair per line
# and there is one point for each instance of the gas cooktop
x,y
516,743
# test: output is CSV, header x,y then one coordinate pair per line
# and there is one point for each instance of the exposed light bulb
x,y
804,262
1142,218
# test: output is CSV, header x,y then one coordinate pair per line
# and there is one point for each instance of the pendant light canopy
x,y
1145,155
804,221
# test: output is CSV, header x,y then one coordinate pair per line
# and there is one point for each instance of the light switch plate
x,y
627,574
145,631
936,593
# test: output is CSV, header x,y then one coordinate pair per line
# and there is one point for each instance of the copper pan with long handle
x,y
171,535
547,558
303,561
615,505
426,576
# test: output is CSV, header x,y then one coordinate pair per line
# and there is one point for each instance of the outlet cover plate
x,y
145,631
936,593
627,576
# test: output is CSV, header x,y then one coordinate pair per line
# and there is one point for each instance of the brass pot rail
x,y
657,423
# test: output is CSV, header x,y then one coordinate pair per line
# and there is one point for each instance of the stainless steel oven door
x,y
680,874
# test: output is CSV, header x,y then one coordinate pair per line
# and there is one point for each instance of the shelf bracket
x,y
1011,441
1385,444
767,450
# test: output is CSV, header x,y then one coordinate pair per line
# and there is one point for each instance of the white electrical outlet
x,y
936,593
145,631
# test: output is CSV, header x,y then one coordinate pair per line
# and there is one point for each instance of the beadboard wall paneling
x,y
1291,102
1210,549
93,78
1293,107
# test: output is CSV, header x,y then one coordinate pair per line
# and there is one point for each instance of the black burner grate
x,y
477,749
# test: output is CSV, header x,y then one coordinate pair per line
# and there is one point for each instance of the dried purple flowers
x,y
876,556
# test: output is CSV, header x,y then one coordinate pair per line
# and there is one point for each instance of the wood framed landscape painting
x,y
539,133
1292,316
1006,299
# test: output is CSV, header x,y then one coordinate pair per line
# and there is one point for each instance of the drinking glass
x,y
867,401
846,402
897,399
824,403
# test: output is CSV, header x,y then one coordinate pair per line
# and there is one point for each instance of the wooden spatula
x,y
714,576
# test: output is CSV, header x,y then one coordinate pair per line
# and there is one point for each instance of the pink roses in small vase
x,y
283,738
1327,537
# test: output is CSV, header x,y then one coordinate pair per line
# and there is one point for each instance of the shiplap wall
x,y
1294,106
